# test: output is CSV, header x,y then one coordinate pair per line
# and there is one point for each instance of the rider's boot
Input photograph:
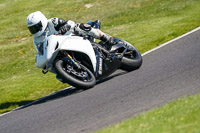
x,y
109,40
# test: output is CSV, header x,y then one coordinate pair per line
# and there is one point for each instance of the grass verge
x,y
181,116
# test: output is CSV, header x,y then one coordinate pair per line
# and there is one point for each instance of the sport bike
x,y
80,61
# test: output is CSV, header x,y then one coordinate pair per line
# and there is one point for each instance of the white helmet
x,y
36,23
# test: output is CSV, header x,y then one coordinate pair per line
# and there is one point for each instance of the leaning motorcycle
x,y
80,61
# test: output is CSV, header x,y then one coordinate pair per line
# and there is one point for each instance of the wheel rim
x,y
132,55
80,73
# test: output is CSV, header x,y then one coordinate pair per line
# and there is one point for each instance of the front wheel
x,y
80,77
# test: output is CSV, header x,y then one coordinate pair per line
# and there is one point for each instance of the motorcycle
x,y
80,61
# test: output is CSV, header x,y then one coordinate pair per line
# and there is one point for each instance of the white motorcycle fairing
x,y
53,44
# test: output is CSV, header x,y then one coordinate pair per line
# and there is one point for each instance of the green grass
x,y
145,23
181,116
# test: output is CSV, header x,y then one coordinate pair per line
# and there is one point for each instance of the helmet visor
x,y
35,28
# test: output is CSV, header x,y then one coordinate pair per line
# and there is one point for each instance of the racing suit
x,y
60,26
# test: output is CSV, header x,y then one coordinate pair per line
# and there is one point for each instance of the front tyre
x,y
80,77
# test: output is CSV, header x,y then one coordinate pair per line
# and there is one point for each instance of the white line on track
x,y
33,102
164,44
154,49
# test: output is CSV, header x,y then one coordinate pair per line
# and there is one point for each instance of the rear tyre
x,y
131,61
80,77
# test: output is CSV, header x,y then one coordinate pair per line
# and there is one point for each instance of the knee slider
x,y
85,27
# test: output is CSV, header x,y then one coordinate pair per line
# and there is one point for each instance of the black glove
x,y
63,29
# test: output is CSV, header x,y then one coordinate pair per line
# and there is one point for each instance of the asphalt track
x,y
166,74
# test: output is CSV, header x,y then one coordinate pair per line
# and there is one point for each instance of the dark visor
x,y
35,28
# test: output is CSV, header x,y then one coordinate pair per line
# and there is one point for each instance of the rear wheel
x,y
80,77
132,60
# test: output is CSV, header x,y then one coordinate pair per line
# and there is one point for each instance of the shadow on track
x,y
62,93
8,104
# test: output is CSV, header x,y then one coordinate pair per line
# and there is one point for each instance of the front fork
x,y
69,60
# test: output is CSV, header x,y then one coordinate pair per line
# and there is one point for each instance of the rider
x,y
40,27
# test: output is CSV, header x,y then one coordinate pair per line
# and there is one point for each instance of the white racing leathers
x,y
59,26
